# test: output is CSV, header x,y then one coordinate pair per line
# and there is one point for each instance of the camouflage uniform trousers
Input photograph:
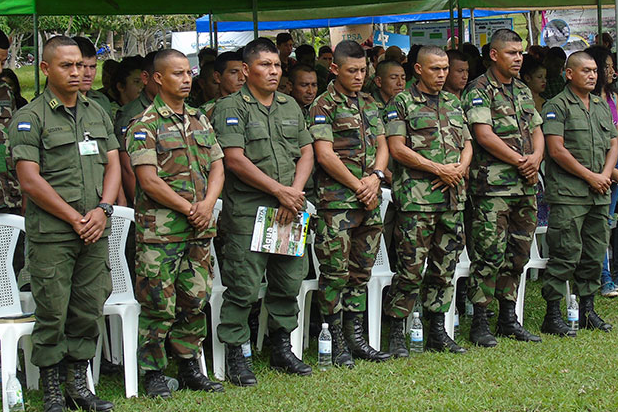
x,y
173,285
435,237
577,238
502,231
346,245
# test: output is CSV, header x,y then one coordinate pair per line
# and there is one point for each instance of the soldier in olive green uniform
x,y
508,149
268,158
432,148
582,151
351,152
67,163
179,172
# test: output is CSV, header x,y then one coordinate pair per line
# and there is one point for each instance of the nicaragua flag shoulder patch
x,y
231,121
477,102
24,126
139,136
550,115
391,115
319,119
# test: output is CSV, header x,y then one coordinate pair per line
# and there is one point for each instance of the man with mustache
x,y
582,148
508,149
179,171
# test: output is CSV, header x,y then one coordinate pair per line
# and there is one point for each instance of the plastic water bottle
x,y
246,352
172,383
15,397
573,314
325,348
456,323
416,334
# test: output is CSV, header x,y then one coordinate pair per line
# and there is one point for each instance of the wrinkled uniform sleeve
x,y
320,122
477,106
25,137
396,115
112,141
142,143
553,119
229,126
216,153
304,137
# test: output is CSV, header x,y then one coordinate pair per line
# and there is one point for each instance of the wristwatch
x,y
379,173
107,208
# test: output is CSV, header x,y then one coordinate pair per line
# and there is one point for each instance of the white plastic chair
x,y
461,270
535,262
381,276
121,303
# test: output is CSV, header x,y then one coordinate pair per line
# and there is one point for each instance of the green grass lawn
x,y
559,374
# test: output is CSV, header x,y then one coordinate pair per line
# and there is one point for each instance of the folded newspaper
x,y
271,237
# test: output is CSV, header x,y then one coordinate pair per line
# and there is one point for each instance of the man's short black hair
x,y
164,55
556,53
4,41
53,43
324,50
348,49
304,50
374,52
222,60
206,51
85,46
297,69
283,38
454,54
257,46
503,36
384,65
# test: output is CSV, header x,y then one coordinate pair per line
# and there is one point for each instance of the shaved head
x,y
576,59
502,36
162,57
49,49
426,51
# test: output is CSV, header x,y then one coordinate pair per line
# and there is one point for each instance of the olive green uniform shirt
x,y
101,100
45,132
126,113
587,134
271,139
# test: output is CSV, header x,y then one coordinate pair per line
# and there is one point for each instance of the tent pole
x,y
255,20
382,35
600,21
451,6
35,19
473,28
460,29
209,30
216,38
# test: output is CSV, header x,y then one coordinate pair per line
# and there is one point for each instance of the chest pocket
x,y
455,137
347,139
99,134
169,145
257,146
423,129
289,130
504,117
204,140
60,151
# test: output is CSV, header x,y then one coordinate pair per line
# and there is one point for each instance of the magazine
x,y
271,237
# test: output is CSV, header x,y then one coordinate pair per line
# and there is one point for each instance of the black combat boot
x,y
340,351
52,395
236,369
479,330
281,356
553,323
77,393
588,318
438,340
397,339
156,385
353,333
509,327
190,376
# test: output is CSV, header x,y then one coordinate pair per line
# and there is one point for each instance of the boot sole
x,y
71,404
286,371
515,337
432,349
240,384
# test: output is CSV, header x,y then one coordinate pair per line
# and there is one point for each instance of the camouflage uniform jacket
x,y
46,132
10,192
353,130
587,135
208,107
182,147
512,118
437,135
126,113
271,140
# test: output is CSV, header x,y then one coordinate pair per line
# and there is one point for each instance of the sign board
x,y
430,34
360,33
484,28
387,39
579,27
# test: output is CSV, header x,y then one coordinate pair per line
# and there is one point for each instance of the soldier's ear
x,y
44,67
334,69
245,69
378,81
156,76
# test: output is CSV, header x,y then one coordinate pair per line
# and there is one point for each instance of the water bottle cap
x,y
572,297
415,314
324,325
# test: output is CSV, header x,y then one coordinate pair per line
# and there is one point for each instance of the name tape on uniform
x,y
318,119
24,126
477,102
139,136
231,121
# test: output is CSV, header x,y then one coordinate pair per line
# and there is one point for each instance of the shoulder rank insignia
x,y
281,99
246,98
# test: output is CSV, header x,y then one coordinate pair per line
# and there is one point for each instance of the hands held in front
x,y
368,191
90,228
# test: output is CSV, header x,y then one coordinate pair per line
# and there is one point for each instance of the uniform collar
x,y
247,96
144,99
419,97
340,97
55,103
377,96
575,99
165,111
497,83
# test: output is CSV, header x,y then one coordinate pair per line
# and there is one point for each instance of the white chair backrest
x,y
464,259
10,228
381,265
122,288
216,273
386,199
534,248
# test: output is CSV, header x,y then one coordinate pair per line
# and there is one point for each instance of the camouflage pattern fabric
x,y
437,238
10,192
125,114
353,128
7,104
173,285
438,135
208,108
346,244
182,149
512,117
502,231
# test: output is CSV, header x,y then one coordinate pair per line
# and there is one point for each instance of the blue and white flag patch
x,y
391,115
319,119
139,136
23,126
123,130
550,115
477,102
230,121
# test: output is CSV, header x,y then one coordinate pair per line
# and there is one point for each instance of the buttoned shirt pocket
x,y
99,134
289,130
170,147
204,142
347,137
455,135
257,146
423,130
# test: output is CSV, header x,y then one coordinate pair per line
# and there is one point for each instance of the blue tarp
x,y
203,23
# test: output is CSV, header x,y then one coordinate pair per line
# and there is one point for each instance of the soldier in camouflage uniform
x,y
179,172
432,148
508,149
351,152
268,159
582,149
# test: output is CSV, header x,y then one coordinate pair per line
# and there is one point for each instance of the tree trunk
x,y
110,43
68,30
15,49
